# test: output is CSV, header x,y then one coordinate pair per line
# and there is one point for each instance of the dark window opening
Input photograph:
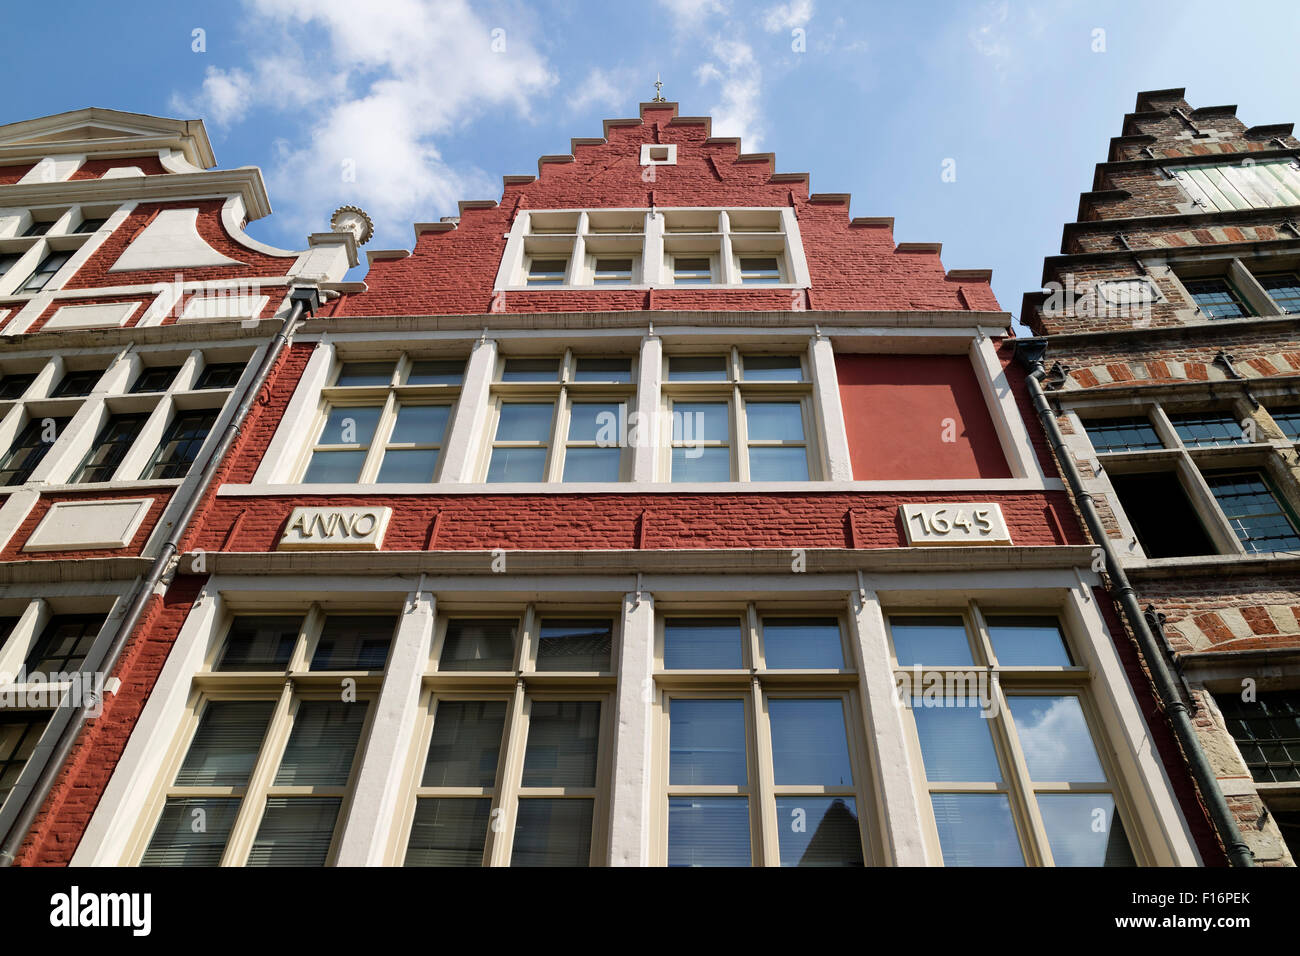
x,y
1163,518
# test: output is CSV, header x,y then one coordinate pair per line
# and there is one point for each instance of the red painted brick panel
x,y
13,549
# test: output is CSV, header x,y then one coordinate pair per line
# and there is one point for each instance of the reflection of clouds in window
x,y
1055,739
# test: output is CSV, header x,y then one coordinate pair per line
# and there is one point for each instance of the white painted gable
x,y
171,241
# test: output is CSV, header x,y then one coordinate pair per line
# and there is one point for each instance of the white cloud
x,y
383,84
606,88
693,13
738,112
787,16
989,36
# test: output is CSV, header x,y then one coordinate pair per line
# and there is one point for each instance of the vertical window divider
x,y
244,830
379,440
740,446
559,435
762,812
503,815
312,623
1024,802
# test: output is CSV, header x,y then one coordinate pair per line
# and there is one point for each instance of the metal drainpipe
x,y
302,297
1031,354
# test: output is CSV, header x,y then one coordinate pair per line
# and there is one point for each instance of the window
x,y
1199,429
267,772
1284,290
19,732
1162,516
692,270
180,445
1222,187
385,422
1288,420
1122,434
739,418
612,272
761,770
39,227
89,225
1261,522
1011,764
560,419
1267,731
548,806
111,445
157,378
1216,298
7,261
547,271
760,270
63,644
13,386
44,272
77,384
220,375
29,448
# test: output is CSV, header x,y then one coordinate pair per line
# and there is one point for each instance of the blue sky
x,y
406,106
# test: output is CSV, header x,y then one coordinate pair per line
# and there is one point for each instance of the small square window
x,y
1216,298
773,368
692,270
259,644
530,370
657,154
436,372
547,271
44,272
13,386
686,368
353,643
220,375
155,379
613,272
760,270
1200,429
39,227
89,225
1122,434
364,375
603,370
1284,289
77,384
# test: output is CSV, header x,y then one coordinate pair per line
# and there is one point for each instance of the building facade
x,y
1171,315
656,513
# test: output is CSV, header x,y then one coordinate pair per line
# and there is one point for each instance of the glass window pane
x,y
466,744
1025,641
819,831
349,643
20,731
349,425
552,832
705,643
592,464
436,372
448,831
475,645
701,464
603,370
525,421
692,271
531,370
774,421
517,464
778,464
793,642
1261,523
562,738
1199,429
1122,434
322,744
690,368
707,742
930,640
708,831
700,421
295,831
259,644
155,379
956,741
594,421
334,467
578,645
420,425
365,374
226,743
1083,829
809,742
542,271
773,368
408,465
975,829
1055,738
192,831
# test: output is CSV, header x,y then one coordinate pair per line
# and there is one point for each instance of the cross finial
x,y
659,90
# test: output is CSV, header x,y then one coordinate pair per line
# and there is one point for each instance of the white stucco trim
x,y
366,830
832,430
1017,447
632,797
465,436
645,463
171,240
287,443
